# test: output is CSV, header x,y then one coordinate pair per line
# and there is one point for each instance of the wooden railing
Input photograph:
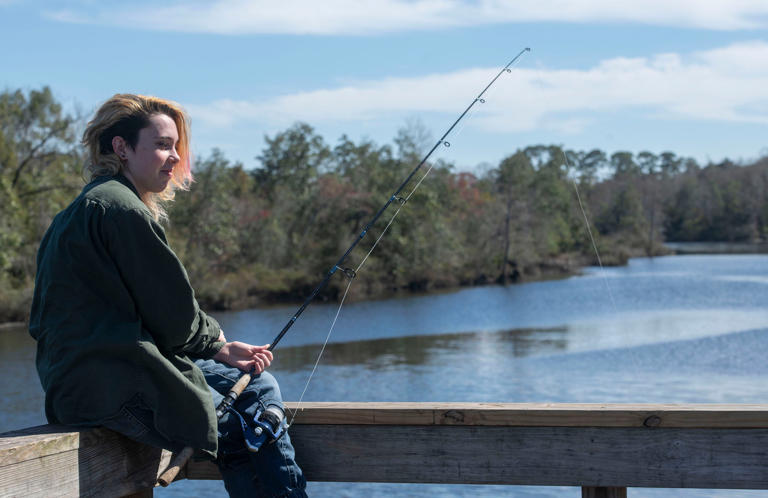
x,y
604,449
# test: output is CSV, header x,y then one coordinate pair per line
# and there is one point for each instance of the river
x,y
675,329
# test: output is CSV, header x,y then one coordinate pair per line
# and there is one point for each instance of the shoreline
x,y
12,325
553,269
685,248
546,272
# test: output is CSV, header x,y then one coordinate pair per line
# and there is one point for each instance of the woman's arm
x,y
158,284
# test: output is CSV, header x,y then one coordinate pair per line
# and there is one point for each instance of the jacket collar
x,y
125,181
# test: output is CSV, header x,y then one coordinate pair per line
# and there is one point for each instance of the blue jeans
x,y
272,472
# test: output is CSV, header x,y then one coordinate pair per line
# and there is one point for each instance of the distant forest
x,y
270,233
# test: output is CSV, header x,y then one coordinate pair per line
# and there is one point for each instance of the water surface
x,y
679,329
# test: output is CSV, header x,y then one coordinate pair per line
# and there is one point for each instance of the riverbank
x,y
12,325
222,298
718,247
236,298
237,292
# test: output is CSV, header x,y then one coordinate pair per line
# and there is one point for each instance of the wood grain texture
x,y
589,446
35,442
92,462
534,414
550,456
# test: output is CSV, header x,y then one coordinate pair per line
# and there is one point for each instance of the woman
x,y
122,342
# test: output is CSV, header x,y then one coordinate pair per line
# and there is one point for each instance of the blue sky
x,y
690,76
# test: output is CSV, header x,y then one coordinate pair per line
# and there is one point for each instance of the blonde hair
x,y
124,115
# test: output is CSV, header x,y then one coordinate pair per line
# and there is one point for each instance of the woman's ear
x,y
119,146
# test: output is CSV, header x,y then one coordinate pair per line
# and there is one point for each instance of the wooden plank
x,y
548,456
93,462
56,475
710,446
36,442
534,414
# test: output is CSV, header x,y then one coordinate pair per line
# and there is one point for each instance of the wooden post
x,y
62,461
603,492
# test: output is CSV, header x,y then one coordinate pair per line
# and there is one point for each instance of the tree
x,y
684,221
670,164
39,162
292,158
648,163
513,180
588,164
623,164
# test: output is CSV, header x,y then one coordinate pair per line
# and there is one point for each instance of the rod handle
x,y
241,384
177,462
181,458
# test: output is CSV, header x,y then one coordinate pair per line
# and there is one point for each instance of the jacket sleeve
x,y
159,285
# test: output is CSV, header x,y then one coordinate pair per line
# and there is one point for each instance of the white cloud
x,y
361,17
729,84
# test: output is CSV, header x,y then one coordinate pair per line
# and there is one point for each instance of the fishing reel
x,y
270,425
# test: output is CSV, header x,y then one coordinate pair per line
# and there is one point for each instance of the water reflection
x,y
380,354
678,329
14,343
20,391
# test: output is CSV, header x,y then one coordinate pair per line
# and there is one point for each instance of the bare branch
x,y
46,188
52,133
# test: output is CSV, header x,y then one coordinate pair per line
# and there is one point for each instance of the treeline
x,y
271,232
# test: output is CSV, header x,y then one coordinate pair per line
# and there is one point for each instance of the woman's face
x,y
149,165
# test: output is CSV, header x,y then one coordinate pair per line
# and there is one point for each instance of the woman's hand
x,y
245,356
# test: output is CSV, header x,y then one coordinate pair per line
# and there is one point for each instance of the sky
x,y
687,76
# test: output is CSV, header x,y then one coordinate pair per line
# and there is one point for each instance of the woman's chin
x,y
162,184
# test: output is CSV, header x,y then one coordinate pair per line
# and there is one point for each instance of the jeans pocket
x,y
133,420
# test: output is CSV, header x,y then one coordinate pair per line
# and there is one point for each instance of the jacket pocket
x,y
134,419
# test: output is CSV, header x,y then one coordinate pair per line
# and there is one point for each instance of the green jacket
x,y
114,316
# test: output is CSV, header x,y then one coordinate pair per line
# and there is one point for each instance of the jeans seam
x,y
291,476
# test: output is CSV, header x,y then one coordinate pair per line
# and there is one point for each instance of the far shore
x,y
12,325
718,247
546,272
552,270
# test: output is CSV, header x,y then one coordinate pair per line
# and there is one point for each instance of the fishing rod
x,y
273,426
394,197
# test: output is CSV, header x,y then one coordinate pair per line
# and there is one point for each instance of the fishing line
x,y
469,112
349,272
346,290
446,145
408,197
180,459
633,352
591,237
456,135
320,355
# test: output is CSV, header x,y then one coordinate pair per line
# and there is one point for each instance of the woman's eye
x,y
164,145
